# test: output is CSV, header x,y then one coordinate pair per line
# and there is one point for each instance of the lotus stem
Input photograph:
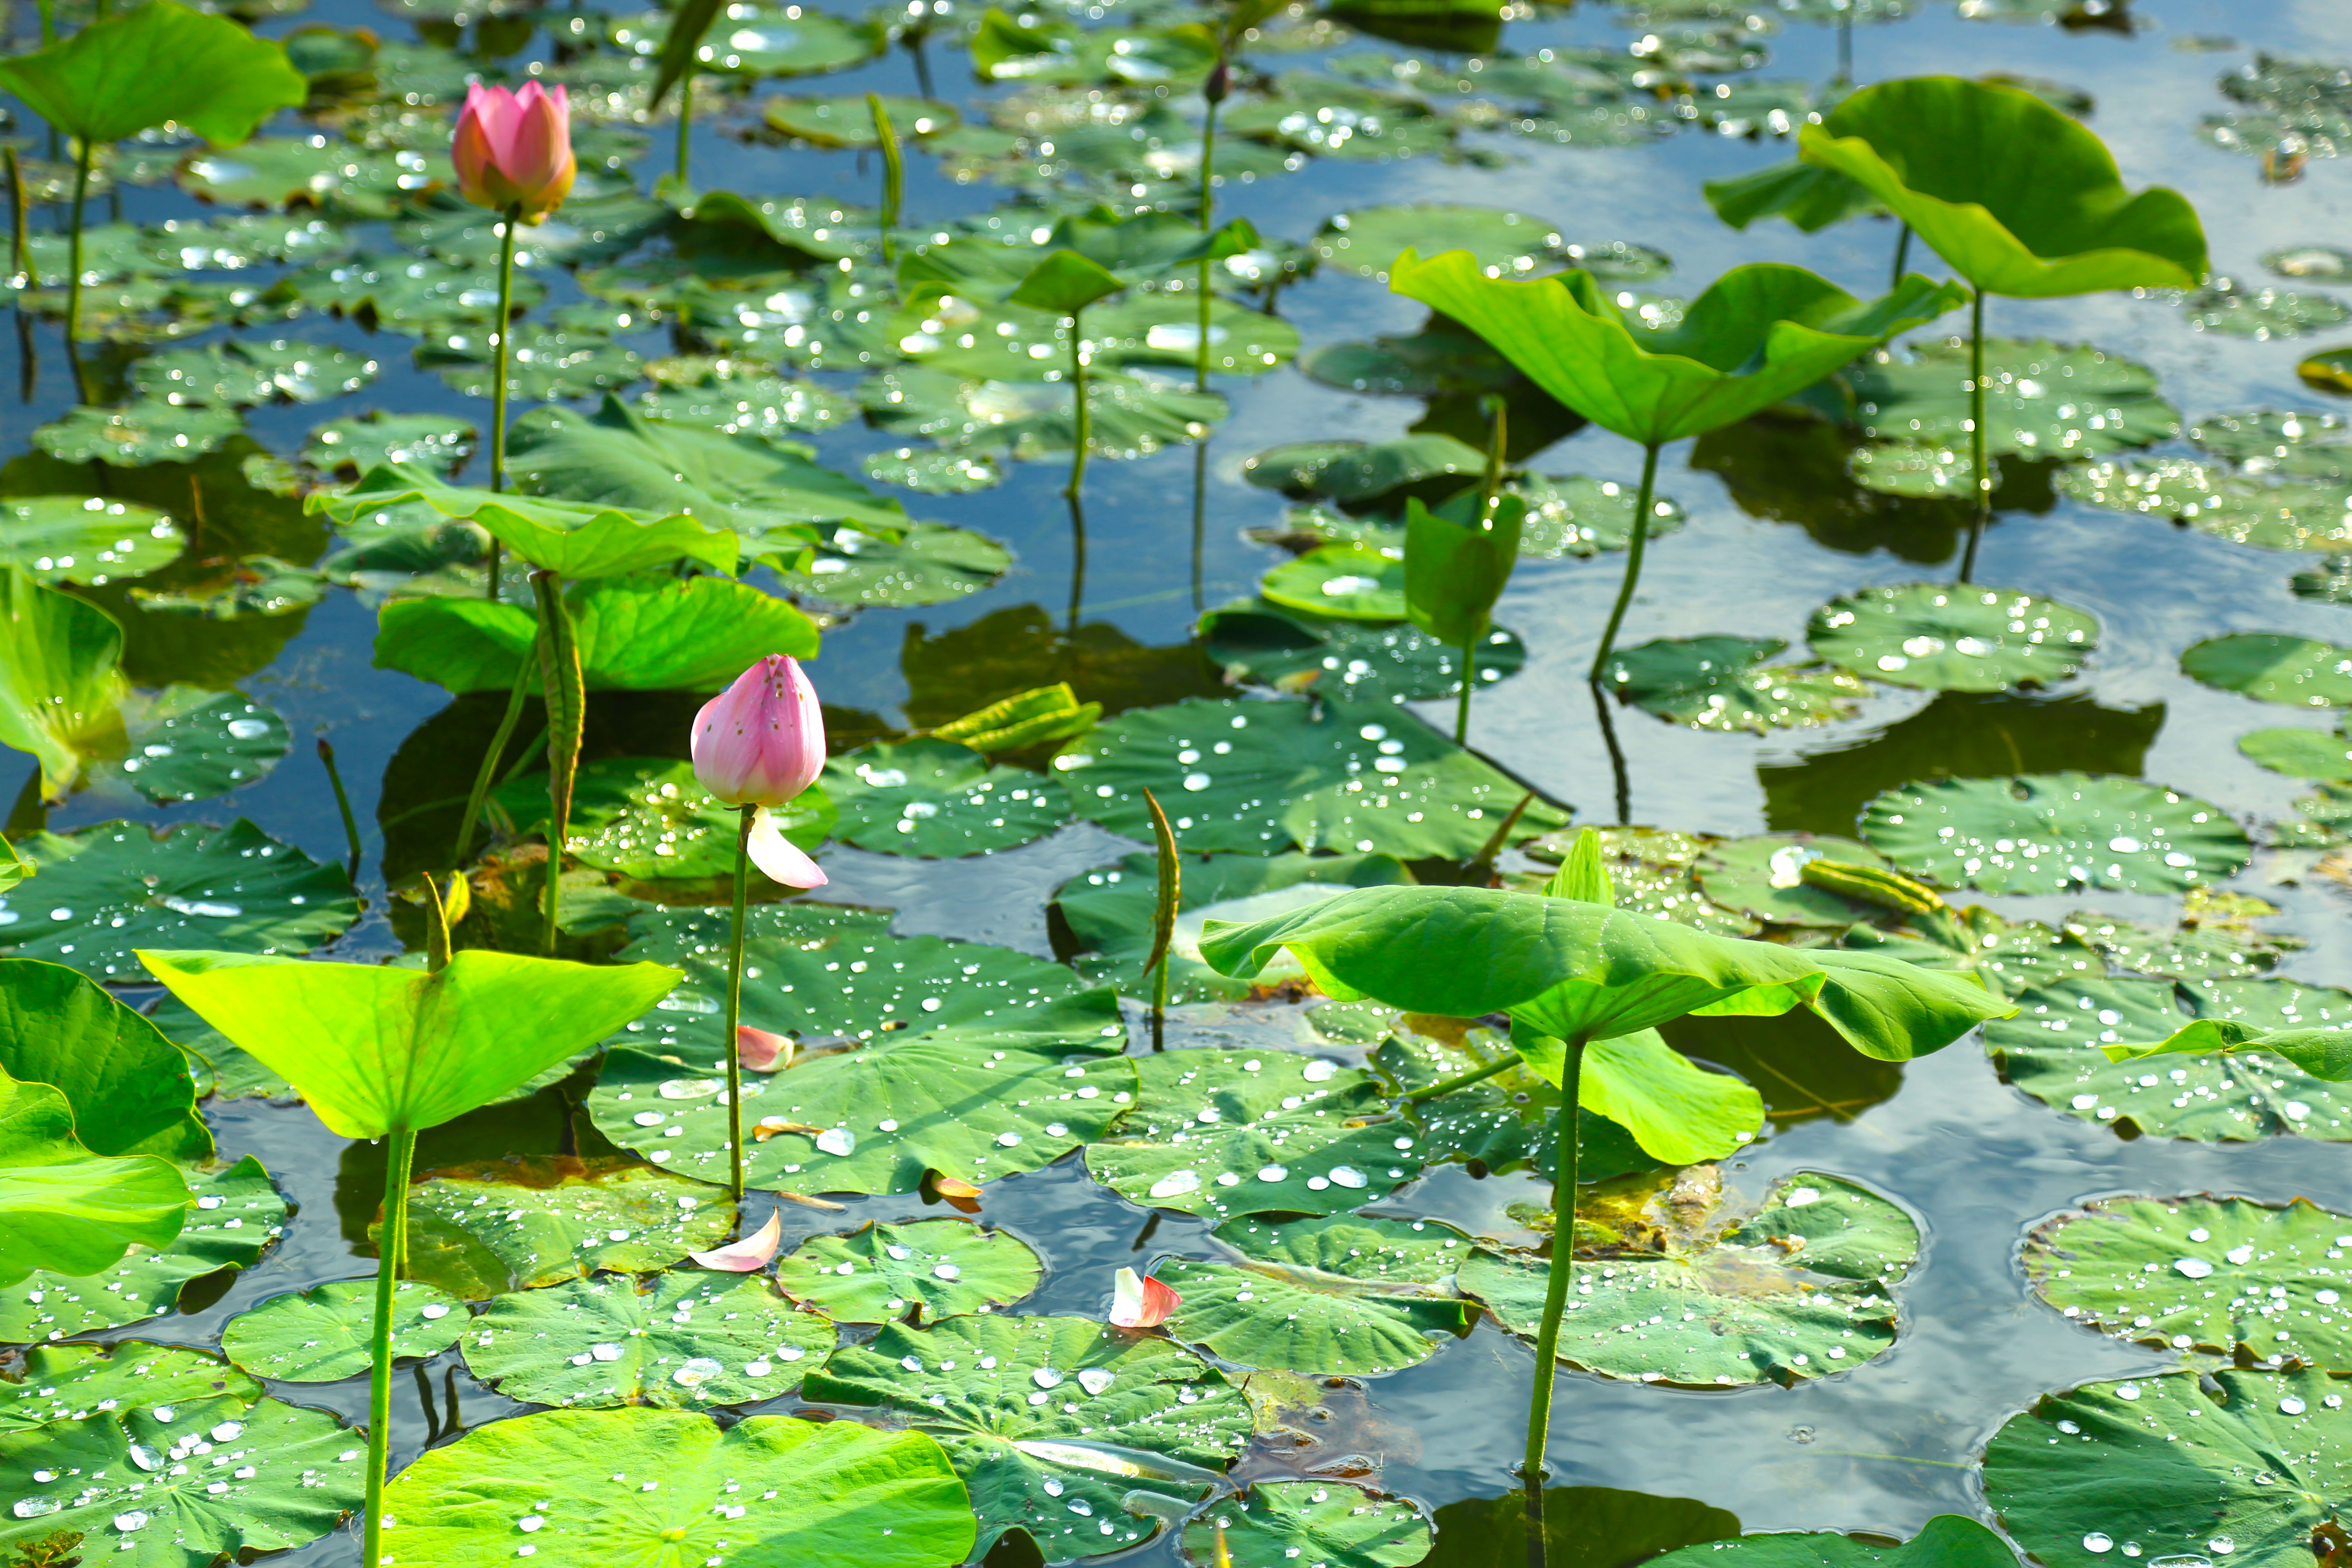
x,y
684,121
1208,204
391,1246
1200,517
913,42
19,260
342,803
1983,474
1616,755
1846,44
1077,560
1484,862
1490,488
567,702
489,768
1902,256
1446,1086
83,152
1561,1274
735,1002
1168,892
1081,432
1633,561
498,378
894,173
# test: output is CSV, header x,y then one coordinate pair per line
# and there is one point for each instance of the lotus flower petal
x,y
753,1252
1137,1302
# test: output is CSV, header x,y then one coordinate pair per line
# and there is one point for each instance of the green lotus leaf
x,y
935,471
2018,196
1723,683
1349,471
2323,1053
127,1085
435,443
158,62
2260,312
1564,967
2042,400
528,1221
1344,1295
62,684
238,1215
323,1334
2229,1273
935,798
238,374
847,120
1602,1526
651,819
1652,872
1758,334
738,404
1940,638
68,1208
285,1483
1739,1303
547,361
2008,957
926,563
85,539
1439,360
1505,1122
1272,1523
575,539
1762,875
838,1494
2272,666
2062,832
347,179
1129,415
187,743
118,885
1678,1113
220,1070
392,292
1053,50
1110,911
1293,650
2161,1464
1506,244
1809,197
1060,1425
1288,775
941,1267
1348,582
634,634
683,1339
440,1044
2215,940
68,1382
2094,1049
1947,1540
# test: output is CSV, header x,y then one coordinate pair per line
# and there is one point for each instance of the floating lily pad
x,y
517,1223
544,362
1435,361
325,1335
642,1485
85,539
1292,650
1572,514
1797,1287
240,372
2201,1275
880,1272
2216,940
1348,581
2160,1464
2052,833
846,120
1505,1122
2272,666
1351,472
1054,1423
220,1070
1507,244
740,404
1226,1133
2050,1050
1762,876
930,564
2307,444
108,889
404,294
1653,872
1348,1294
2041,399
651,819
1328,1523
272,1476
137,433
2260,312
683,1339
935,798
1269,776
1109,913
2324,263
1723,683
2006,956
1129,415
238,1215
1947,1540
1938,637
346,179
760,40
935,471
68,1382
190,743
435,442
2303,753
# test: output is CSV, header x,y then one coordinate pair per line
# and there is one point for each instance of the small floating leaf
x,y
1940,638
681,1340
532,1220
70,1380
935,798
1723,683
324,1335
880,1272
2050,833
1330,1524
2272,667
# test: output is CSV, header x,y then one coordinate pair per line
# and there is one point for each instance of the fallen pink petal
x,y
761,1051
753,1252
1140,1302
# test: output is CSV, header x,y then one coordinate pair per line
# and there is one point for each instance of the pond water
x,y
1773,531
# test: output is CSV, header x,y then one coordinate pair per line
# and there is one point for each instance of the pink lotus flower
x,y
761,1051
1137,1302
750,1253
761,742
514,149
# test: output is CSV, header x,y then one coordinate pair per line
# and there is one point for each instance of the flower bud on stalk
x,y
514,149
761,742
1220,83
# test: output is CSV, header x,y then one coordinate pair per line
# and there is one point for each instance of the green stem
x,y
1446,1086
1983,513
48,22
1902,255
1562,1273
894,173
1208,202
73,263
1469,679
489,768
19,260
1200,517
1633,561
735,1005
559,681
390,1243
342,803
1160,1004
1082,433
498,376
1077,560
684,121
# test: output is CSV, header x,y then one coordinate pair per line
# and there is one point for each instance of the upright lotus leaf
x,y
1065,282
374,1049
64,1208
129,1086
671,1487
2322,1053
1565,968
1678,1112
1453,572
61,683
1947,1540
1758,334
163,61
2020,197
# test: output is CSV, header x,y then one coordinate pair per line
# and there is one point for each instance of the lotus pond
x,y
1182,912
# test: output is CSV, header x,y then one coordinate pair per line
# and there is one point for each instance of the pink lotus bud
x,y
761,1051
514,149
762,740
750,1253
1140,1303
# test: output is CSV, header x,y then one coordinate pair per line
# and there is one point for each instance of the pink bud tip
x,y
761,1051
762,740
1137,1302
750,1253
